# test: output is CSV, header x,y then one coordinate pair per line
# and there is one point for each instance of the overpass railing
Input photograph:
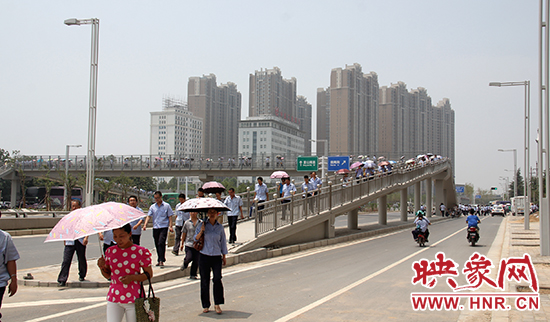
x,y
279,212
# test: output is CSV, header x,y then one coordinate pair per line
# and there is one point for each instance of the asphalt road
x,y
35,253
367,280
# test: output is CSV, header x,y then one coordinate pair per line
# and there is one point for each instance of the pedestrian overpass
x,y
306,219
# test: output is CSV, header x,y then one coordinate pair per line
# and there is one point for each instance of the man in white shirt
x,y
289,189
234,203
261,194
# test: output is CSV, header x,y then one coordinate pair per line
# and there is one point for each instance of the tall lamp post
x,y
326,154
527,143
515,176
66,193
90,175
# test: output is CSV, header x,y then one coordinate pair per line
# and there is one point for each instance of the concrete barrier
x,y
28,223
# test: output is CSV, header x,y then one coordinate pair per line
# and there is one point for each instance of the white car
x,y
497,210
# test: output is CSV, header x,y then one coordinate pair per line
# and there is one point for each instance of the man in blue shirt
x,y
8,268
289,189
72,246
181,218
261,194
162,222
472,221
317,183
234,203
136,224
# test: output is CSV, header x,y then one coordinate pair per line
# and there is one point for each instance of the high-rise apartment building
x,y
349,109
411,125
220,109
270,94
323,120
303,114
175,131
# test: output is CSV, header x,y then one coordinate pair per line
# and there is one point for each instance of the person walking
x,y
162,214
181,217
317,183
289,189
72,246
212,258
107,238
261,195
136,224
221,213
122,265
187,238
8,267
235,203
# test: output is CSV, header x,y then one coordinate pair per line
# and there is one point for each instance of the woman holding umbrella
x,y
212,258
122,264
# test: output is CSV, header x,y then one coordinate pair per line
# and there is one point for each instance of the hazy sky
x,y
149,49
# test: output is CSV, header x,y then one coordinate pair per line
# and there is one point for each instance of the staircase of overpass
x,y
308,218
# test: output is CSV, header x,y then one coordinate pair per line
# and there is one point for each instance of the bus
x,y
36,195
171,198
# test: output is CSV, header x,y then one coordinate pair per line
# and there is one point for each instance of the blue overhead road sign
x,y
337,163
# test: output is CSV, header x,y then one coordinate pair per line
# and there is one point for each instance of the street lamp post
x,y
66,193
326,154
90,175
527,144
515,176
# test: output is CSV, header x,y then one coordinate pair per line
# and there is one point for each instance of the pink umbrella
x,y
356,165
213,187
279,175
202,204
92,220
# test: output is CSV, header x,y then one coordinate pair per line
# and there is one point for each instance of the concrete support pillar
x,y
429,202
417,192
404,206
438,186
353,219
383,210
329,227
204,177
15,187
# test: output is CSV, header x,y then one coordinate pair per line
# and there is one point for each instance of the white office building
x,y
270,135
175,130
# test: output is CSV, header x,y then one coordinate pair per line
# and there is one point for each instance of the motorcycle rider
x,y
472,221
421,225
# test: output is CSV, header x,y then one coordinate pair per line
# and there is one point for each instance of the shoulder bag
x,y
147,308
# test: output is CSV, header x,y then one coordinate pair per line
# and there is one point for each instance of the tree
x,y
125,185
106,186
71,182
520,187
48,183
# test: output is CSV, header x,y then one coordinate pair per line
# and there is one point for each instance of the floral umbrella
x,y
92,220
356,164
213,187
202,204
279,175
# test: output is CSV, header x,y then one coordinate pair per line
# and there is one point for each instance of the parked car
x,y
497,210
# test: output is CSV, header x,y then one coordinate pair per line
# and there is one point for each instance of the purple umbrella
x,y
356,165
213,187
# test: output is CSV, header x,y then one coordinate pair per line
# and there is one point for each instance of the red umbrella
x,y
343,171
213,187
383,163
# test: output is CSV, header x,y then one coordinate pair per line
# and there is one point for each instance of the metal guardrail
x,y
162,162
276,213
32,213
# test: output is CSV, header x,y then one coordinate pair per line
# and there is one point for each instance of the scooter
x,y
473,236
421,239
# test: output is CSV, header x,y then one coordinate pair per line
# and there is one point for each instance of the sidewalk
x,y
47,276
518,242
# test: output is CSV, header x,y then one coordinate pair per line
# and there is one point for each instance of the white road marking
x,y
359,282
53,302
289,258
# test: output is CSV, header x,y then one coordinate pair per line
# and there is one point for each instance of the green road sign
x,y
307,164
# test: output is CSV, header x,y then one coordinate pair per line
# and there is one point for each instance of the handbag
x,y
199,244
147,308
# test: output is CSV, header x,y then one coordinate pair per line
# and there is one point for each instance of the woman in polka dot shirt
x,y
122,264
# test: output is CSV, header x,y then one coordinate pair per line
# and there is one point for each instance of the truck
x,y
519,203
